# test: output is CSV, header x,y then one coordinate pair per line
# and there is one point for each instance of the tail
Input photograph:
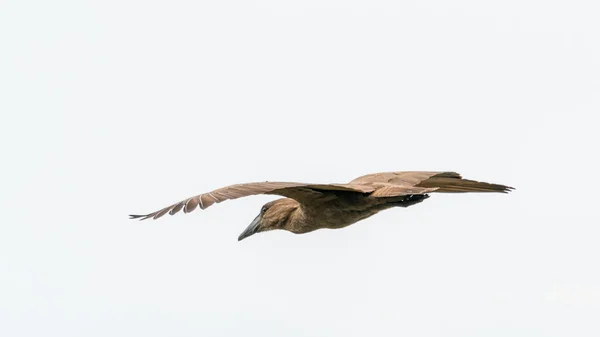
x,y
452,182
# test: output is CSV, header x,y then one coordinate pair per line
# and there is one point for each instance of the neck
x,y
301,221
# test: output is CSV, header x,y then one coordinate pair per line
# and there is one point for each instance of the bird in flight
x,y
308,207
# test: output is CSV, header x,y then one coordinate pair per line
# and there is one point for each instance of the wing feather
x,y
302,192
389,190
445,182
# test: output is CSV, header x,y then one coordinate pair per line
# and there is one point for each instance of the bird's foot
x,y
413,199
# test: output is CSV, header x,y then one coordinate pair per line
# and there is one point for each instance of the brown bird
x,y
307,207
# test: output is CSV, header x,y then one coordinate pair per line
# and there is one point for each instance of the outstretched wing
x,y
407,178
302,192
391,190
445,182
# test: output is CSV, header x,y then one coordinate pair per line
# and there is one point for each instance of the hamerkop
x,y
307,207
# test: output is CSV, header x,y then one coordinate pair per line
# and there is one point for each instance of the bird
x,y
306,207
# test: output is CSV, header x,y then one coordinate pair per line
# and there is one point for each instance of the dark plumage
x,y
307,207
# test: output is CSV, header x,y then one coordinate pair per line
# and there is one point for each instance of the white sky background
x,y
118,107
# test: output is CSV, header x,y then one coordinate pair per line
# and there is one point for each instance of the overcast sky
x,y
110,108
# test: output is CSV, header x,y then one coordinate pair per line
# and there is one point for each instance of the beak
x,y
251,230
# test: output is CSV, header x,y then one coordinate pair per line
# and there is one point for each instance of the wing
x,y
390,190
447,182
408,178
301,192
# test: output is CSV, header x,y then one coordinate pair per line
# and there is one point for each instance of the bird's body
x,y
343,210
308,207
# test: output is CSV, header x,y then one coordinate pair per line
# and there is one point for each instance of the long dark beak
x,y
251,230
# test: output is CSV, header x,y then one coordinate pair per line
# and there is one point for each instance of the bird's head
x,y
273,215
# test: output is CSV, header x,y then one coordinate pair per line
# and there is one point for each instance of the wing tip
x,y
145,217
139,216
508,189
